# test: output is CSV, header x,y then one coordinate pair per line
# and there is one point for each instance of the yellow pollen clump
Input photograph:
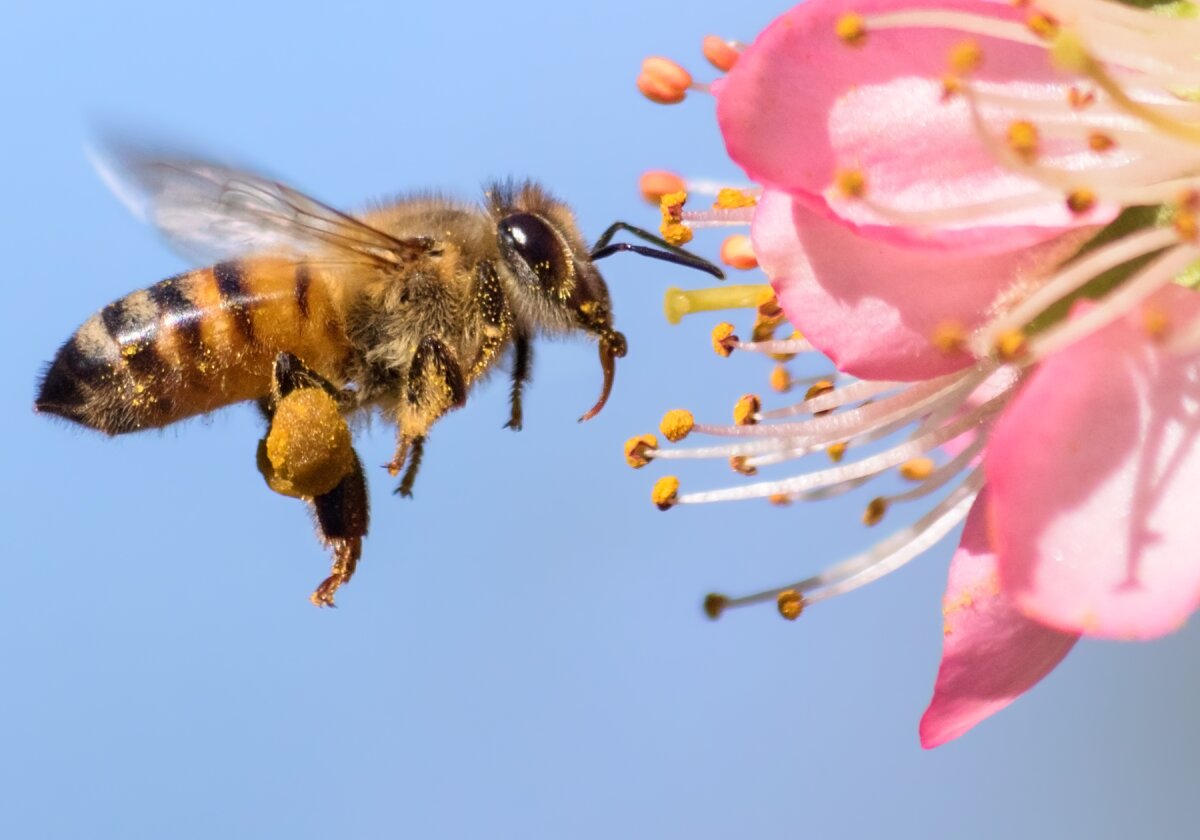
x,y
738,252
1023,140
780,499
1081,200
1156,323
723,339
677,424
1042,25
851,183
729,198
781,380
1010,343
637,450
917,469
745,411
308,450
836,451
676,233
663,81
738,464
790,604
719,52
965,58
714,605
851,28
876,508
656,183
1098,141
665,492
949,336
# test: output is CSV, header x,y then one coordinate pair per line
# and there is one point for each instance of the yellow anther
x,y
719,52
638,449
780,499
714,605
851,28
663,81
738,252
1098,141
1010,343
1042,25
729,198
950,336
781,379
790,604
1023,140
1156,323
951,86
677,302
723,340
1080,200
665,492
745,411
673,229
677,424
768,317
851,183
815,390
738,464
1186,225
676,233
876,508
917,469
965,58
836,451
656,183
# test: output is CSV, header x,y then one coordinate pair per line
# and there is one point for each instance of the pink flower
x,y
929,176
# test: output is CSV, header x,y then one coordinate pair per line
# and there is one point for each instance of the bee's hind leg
x,y
434,385
307,454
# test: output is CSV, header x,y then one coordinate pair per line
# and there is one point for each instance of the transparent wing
x,y
211,212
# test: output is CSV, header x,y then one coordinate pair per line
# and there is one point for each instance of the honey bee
x,y
317,314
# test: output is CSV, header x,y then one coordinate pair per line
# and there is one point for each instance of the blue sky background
x,y
522,653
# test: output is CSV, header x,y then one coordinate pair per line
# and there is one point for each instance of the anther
x,y
1080,99
790,604
1098,141
851,28
1186,225
781,379
1023,140
837,451
663,81
738,252
822,386
745,411
720,53
1155,322
1042,25
665,492
673,229
965,58
950,336
1080,200
851,183
723,340
917,469
714,605
656,183
876,508
739,464
638,449
1010,344
729,198
779,499
677,424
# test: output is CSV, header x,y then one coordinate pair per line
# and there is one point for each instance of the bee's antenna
x,y
671,254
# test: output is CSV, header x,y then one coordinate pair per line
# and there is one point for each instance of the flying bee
x,y
317,314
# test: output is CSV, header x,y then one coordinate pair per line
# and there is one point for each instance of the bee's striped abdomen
x,y
193,343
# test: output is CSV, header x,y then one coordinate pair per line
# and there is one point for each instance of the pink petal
x,y
1095,470
991,654
874,307
801,105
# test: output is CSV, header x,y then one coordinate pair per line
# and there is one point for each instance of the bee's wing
x,y
211,212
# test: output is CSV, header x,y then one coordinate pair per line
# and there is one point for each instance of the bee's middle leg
x,y
434,385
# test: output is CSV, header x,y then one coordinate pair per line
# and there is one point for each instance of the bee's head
x,y
554,284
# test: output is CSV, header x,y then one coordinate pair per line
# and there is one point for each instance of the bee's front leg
x,y
522,363
434,385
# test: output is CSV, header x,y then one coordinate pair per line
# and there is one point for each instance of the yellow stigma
x,y
965,57
729,198
851,183
677,424
790,604
876,508
738,464
1010,344
917,469
949,336
781,380
677,302
723,339
851,29
836,451
665,492
637,450
745,411
1023,140
1081,200
714,605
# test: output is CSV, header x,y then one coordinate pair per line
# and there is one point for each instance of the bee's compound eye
x,y
532,249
